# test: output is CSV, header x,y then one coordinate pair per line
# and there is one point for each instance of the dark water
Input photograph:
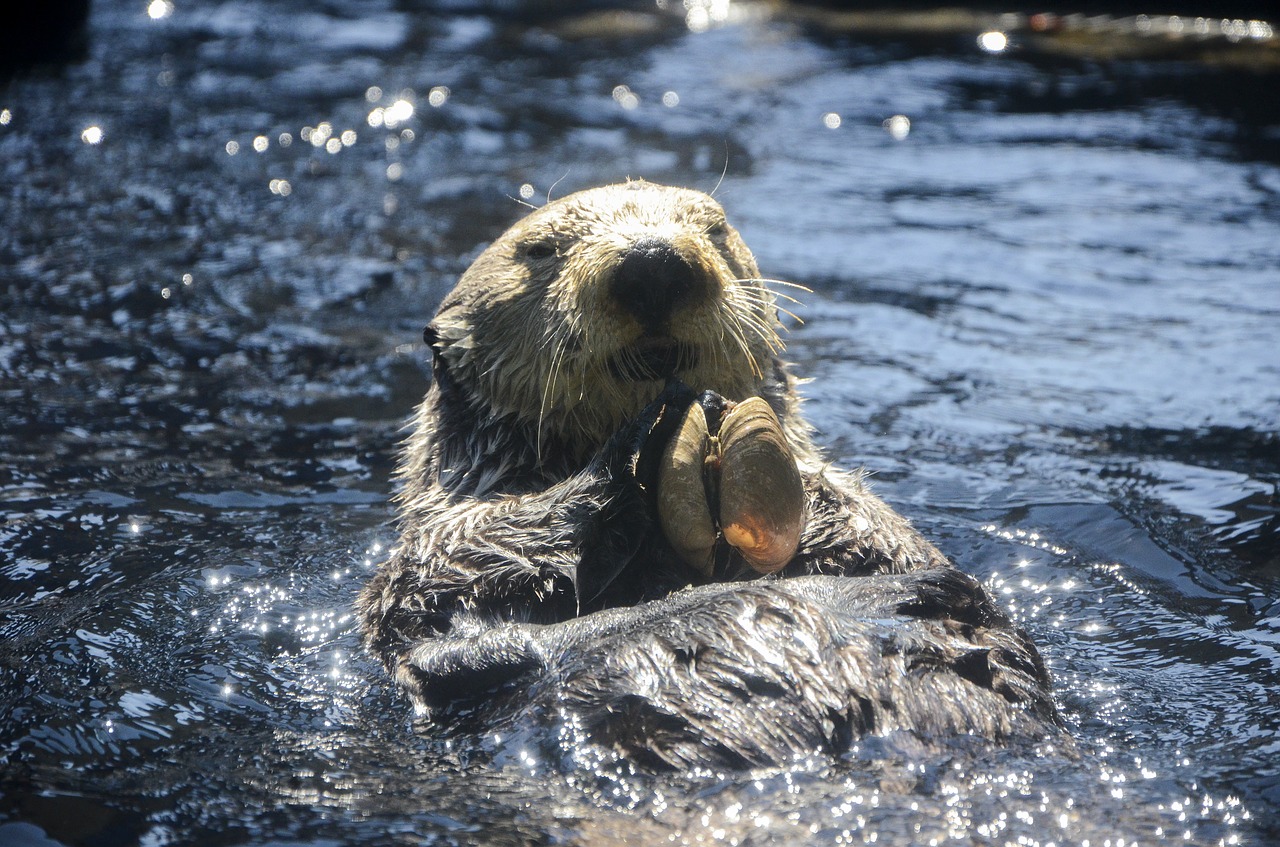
x,y
1046,316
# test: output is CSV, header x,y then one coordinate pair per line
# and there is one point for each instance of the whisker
x,y
724,171
557,182
734,321
521,202
787,297
764,329
765,280
791,315
557,361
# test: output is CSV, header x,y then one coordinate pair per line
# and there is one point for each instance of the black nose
x,y
653,281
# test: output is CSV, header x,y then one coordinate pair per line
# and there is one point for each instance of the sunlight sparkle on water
x,y
831,120
5,117
159,9
625,97
701,15
898,127
317,135
993,42
92,135
399,112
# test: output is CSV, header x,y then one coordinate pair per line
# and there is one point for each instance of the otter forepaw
x,y
633,453
729,471
441,671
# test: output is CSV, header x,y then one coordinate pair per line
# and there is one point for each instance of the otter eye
x,y
718,229
540,250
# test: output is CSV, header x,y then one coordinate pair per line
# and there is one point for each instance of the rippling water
x,y
1043,312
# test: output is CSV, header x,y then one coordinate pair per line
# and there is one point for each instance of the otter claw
x,y
743,481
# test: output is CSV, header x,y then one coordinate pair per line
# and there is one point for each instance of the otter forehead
x,y
571,246
633,205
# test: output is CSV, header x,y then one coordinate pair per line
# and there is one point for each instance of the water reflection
x,y
993,42
898,127
1023,320
159,9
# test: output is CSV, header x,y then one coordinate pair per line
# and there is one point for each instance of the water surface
x,y
1043,313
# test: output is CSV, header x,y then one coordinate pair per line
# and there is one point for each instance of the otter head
x,y
572,320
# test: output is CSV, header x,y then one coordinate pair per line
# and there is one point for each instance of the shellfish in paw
x,y
683,509
742,485
762,501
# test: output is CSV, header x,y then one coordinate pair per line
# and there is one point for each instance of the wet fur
x,y
526,472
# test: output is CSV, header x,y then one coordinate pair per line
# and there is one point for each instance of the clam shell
x,y
683,511
762,499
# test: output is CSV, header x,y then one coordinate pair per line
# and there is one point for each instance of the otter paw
x,y
762,499
742,484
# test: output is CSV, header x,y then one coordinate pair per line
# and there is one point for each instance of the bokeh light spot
x,y
625,97
898,127
399,112
993,41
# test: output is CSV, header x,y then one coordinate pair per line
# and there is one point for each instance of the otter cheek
x,y
762,500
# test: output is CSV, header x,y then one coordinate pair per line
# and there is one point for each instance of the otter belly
x,y
765,673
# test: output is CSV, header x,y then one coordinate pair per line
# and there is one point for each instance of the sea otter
x,y
612,512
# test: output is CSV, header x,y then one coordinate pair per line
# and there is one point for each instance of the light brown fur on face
x,y
533,329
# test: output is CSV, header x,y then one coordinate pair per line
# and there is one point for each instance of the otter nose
x,y
652,281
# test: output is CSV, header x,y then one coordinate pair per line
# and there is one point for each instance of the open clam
x,y
742,484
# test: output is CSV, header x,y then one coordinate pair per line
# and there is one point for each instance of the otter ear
x,y
431,337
